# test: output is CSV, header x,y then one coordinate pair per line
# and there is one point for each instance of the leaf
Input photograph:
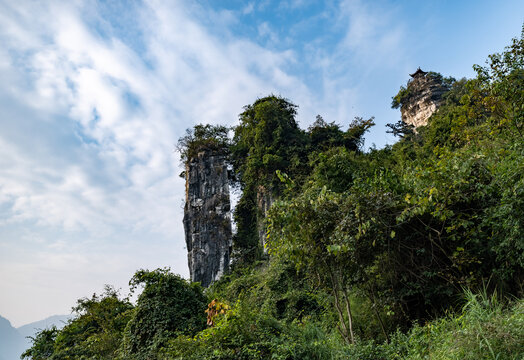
x,y
334,249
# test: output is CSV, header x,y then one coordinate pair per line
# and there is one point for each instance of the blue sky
x,y
95,94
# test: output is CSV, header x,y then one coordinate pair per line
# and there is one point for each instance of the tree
x,y
400,129
42,347
203,137
355,134
266,140
324,136
168,306
502,83
336,237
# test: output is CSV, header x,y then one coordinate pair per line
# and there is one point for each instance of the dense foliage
x,y
413,251
168,306
203,138
266,140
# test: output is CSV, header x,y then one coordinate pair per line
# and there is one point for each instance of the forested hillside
x,y
412,251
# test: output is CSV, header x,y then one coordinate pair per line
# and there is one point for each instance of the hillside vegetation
x,y
414,251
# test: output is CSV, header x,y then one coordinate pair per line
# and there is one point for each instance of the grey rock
x,y
207,217
264,201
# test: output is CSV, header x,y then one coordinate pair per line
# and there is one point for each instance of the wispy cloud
x,y
96,94
373,32
127,109
90,121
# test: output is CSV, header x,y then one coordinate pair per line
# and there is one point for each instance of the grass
x,y
486,329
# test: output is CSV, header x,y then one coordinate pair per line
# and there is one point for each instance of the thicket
x,y
413,251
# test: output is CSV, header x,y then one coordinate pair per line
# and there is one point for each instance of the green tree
x,y
336,237
501,82
43,345
266,140
168,306
324,136
203,137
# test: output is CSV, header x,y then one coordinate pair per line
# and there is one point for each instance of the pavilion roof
x,y
418,73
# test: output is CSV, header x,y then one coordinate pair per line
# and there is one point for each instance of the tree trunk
x,y
344,331
350,317
378,315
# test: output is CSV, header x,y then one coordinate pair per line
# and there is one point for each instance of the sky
x,y
95,94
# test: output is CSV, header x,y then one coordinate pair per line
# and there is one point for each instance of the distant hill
x,y
56,320
12,343
31,329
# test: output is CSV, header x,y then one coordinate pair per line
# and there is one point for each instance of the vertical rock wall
x,y
207,219
425,97
264,201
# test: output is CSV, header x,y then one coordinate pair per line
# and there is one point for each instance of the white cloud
x,y
123,150
248,9
264,31
94,125
90,120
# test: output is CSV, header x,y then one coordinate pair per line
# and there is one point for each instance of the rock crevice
x,y
264,201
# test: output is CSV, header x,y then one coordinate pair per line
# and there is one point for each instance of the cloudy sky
x,y
94,95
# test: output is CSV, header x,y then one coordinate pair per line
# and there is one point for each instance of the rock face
x,y
207,219
264,201
425,96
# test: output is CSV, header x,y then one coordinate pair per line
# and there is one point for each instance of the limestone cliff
x,y
424,97
264,201
207,220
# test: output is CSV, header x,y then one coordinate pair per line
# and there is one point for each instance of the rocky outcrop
x,y
424,97
264,201
207,219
